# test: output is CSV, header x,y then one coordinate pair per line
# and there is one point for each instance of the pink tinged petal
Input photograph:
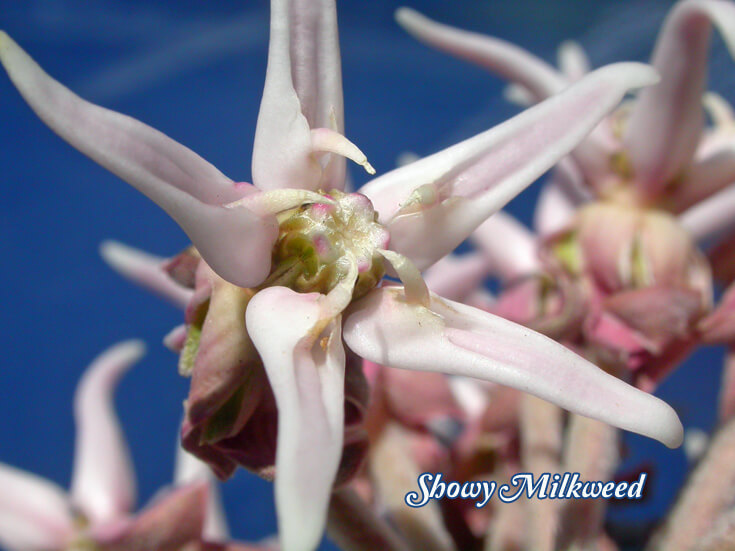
x,y
146,270
666,122
711,217
303,356
170,523
568,176
189,470
461,340
518,95
34,513
176,339
303,90
573,62
555,209
235,242
455,276
510,62
394,469
103,481
432,205
510,248
704,178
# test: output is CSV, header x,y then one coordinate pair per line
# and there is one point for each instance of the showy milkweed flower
x,y
652,170
37,515
288,269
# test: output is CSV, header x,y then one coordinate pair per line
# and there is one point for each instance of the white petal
x,y
34,513
704,178
103,481
146,270
712,217
573,61
235,242
460,340
666,122
303,90
304,359
510,248
432,205
554,209
509,61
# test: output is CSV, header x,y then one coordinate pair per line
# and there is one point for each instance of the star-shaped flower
x,y
290,266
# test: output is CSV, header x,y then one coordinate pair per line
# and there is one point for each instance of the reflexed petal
x,y
455,276
170,523
568,176
190,469
237,243
34,513
666,122
509,61
103,482
573,62
458,339
704,178
711,217
146,270
508,245
554,209
175,340
432,205
303,91
305,361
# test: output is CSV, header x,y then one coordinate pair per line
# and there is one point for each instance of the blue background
x,y
194,70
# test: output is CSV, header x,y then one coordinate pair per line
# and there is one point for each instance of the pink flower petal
x,y
303,91
666,122
235,242
458,339
704,178
146,270
455,276
509,61
554,211
573,62
103,482
170,523
430,206
510,248
305,362
34,513
711,217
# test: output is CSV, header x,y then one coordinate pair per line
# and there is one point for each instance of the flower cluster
x,y
311,368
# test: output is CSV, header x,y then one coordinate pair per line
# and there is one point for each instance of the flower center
x,y
319,243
